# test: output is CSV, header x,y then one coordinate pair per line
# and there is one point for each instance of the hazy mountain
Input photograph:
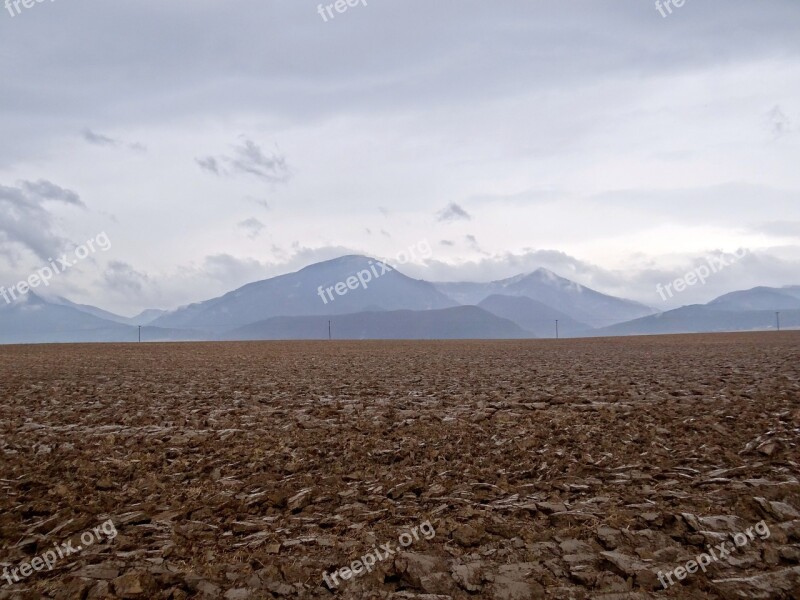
x,y
760,298
88,309
533,316
31,319
461,322
745,310
34,320
702,318
146,317
310,292
390,305
579,302
792,290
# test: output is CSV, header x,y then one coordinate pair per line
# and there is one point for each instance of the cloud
x,y
453,212
778,123
248,159
527,104
26,222
526,197
261,202
47,191
121,277
98,139
252,226
233,272
636,281
472,241
790,229
210,164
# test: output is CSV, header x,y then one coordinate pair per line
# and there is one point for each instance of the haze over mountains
x,y
391,305
297,294
578,301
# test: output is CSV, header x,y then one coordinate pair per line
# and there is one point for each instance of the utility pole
x,y
778,319
329,331
140,333
556,328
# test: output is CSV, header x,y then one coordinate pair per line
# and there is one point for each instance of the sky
x,y
218,143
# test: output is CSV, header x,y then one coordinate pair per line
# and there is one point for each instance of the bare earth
x,y
548,469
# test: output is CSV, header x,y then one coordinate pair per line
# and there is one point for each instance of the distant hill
x,y
298,294
745,310
147,316
700,318
760,298
143,318
582,304
391,305
88,309
461,322
33,320
533,316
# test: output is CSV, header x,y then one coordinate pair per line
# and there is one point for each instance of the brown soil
x,y
548,469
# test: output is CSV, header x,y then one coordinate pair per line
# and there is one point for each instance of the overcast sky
x,y
218,143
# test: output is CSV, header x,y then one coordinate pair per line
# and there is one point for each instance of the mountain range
x,y
361,298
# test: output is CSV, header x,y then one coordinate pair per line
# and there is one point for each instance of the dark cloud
x,y
210,164
252,226
535,43
98,139
44,190
122,278
473,244
248,158
260,201
27,223
453,212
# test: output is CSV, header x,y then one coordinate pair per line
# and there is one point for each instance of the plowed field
x,y
536,469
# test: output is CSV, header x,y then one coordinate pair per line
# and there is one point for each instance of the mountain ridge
x,y
303,301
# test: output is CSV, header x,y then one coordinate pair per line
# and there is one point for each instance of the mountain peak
x,y
353,261
547,277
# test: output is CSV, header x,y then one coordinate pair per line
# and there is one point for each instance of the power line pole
x,y
329,331
556,328
140,333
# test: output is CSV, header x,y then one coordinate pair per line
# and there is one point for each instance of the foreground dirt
x,y
572,469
